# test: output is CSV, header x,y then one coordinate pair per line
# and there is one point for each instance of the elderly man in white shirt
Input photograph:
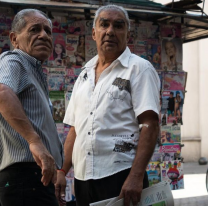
x,y
116,92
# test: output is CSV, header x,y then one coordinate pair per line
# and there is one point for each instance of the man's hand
x,y
60,187
131,190
45,161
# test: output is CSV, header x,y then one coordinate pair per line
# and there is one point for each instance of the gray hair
x,y
112,7
19,21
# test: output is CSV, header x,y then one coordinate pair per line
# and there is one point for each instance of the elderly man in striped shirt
x,y
30,149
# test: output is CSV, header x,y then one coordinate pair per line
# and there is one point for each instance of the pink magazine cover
x,y
174,80
171,30
59,24
170,152
76,27
59,50
90,48
172,172
171,55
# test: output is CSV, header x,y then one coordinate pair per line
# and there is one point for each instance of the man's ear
x,y
13,39
93,34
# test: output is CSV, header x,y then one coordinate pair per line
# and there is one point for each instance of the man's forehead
x,y
119,20
112,15
36,18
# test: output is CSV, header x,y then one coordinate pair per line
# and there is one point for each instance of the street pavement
x,y
194,192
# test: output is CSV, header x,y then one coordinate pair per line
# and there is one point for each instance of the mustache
x,y
47,44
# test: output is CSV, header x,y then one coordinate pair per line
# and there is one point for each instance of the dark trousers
x,y
90,191
20,185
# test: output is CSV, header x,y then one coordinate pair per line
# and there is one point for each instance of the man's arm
x,y
13,112
132,187
68,148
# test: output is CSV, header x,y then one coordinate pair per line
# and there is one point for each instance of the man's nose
x,y
43,34
110,31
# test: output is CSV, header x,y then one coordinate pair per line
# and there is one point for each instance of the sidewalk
x,y
195,193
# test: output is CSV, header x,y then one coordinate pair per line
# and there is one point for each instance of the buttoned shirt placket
x,y
95,91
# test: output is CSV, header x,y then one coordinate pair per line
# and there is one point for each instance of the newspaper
x,y
158,195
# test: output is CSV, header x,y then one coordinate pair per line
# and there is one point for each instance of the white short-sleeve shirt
x,y
105,115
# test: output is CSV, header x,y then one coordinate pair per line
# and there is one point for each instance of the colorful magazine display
x,y
171,58
153,172
170,133
172,172
174,80
57,99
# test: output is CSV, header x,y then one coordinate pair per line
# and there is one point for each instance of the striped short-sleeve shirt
x,y
24,75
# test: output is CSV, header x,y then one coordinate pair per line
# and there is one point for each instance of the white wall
x,y
195,62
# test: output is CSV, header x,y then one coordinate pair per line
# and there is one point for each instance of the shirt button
x,y
89,133
91,113
88,153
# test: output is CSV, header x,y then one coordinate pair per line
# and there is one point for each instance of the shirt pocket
x,y
114,92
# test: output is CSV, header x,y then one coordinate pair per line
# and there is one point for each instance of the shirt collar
x,y
123,59
34,61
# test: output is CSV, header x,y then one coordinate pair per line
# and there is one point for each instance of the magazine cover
x,y
174,80
90,48
171,30
80,51
57,99
154,52
76,27
4,44
172,172
153,172
171,58
170,152
59,50
156,157
59,24
72,42
170,133
172,105
55,79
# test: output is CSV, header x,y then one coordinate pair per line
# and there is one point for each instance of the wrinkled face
x,y
58,49
170,49
35,38
111,33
